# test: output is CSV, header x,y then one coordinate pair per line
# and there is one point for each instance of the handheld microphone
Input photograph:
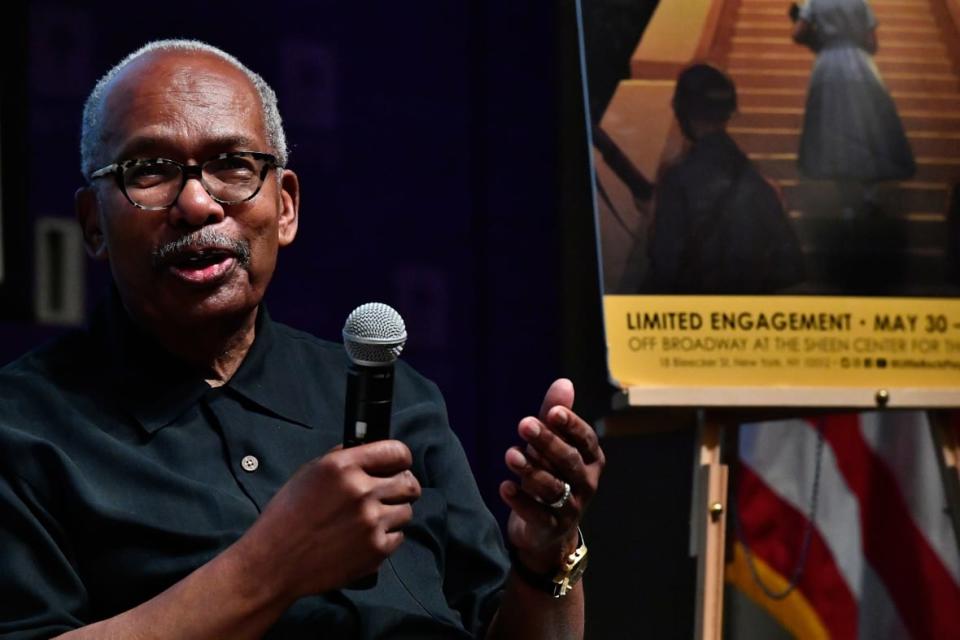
x,y
374,336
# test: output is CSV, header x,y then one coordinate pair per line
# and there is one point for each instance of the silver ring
x,y
563,499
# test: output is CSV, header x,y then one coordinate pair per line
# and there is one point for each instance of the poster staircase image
x,y
904,234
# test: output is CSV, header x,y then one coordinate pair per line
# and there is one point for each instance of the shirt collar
x,y
270,376
157,388
152,384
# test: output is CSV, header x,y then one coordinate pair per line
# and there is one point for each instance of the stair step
x,y
797,78
876,4
804,61
924,218
885,31
913,237
762,44
890,43
927,258
921,202
775,23
786,117
786,139
783,166
935,101
920,16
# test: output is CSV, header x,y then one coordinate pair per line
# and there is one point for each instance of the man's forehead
x,y
170,94
164,64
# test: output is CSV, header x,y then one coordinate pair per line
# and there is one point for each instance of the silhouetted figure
x,y
719,226
851,131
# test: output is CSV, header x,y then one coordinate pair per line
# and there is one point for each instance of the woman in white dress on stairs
x,y
851,131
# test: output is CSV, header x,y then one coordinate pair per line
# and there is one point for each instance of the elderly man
x,y
173,471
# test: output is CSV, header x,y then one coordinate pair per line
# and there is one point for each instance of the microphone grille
x,y
374,335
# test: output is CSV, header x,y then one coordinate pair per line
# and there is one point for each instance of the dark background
x,y
443,162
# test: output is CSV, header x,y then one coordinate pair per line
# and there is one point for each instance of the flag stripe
x,y
902,440
925,595
773,530
784,455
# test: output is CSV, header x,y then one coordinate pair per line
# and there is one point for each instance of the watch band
x,y
559,582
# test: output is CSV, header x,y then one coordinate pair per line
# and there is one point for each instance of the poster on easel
x,y
778,220
776,200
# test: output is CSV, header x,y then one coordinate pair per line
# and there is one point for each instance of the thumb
x,y
560,393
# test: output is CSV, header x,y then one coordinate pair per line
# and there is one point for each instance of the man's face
x,y
187,107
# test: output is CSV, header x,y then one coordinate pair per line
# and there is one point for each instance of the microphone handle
x,y
366,418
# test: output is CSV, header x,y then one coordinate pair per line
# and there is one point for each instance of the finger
x,y
534,457
396,517
564,459
526,507
572,429
534,480
398,489
575,431
382,458
560,393
391,541
382,545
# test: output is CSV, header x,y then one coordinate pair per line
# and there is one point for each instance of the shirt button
x,y
250,463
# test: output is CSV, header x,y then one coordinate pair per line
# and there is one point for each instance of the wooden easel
x,y
708,530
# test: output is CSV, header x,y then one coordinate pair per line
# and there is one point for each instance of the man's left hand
x,y
561,449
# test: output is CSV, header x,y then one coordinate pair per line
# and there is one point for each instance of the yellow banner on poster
x,y
757,341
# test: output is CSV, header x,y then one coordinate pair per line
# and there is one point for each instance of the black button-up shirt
x,y
122,470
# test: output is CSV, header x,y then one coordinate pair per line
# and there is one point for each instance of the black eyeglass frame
x,y
187,171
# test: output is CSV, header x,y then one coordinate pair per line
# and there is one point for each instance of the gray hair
x,y
92,134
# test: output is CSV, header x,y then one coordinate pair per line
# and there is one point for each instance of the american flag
x,y
841,530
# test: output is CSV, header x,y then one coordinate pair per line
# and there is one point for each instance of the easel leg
x,y
708,528
947,445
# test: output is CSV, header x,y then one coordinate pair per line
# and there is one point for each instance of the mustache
x,y
205,238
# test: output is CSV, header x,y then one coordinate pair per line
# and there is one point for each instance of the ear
x,y
289,207
88,215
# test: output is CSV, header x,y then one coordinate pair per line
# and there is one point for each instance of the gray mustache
x,y
206,238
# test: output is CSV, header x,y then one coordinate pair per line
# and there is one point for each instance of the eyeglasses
x,y
155,183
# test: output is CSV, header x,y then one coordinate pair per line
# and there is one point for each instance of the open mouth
x,y
203,258
201,266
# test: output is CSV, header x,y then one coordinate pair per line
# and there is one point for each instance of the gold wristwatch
x,y
566,577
